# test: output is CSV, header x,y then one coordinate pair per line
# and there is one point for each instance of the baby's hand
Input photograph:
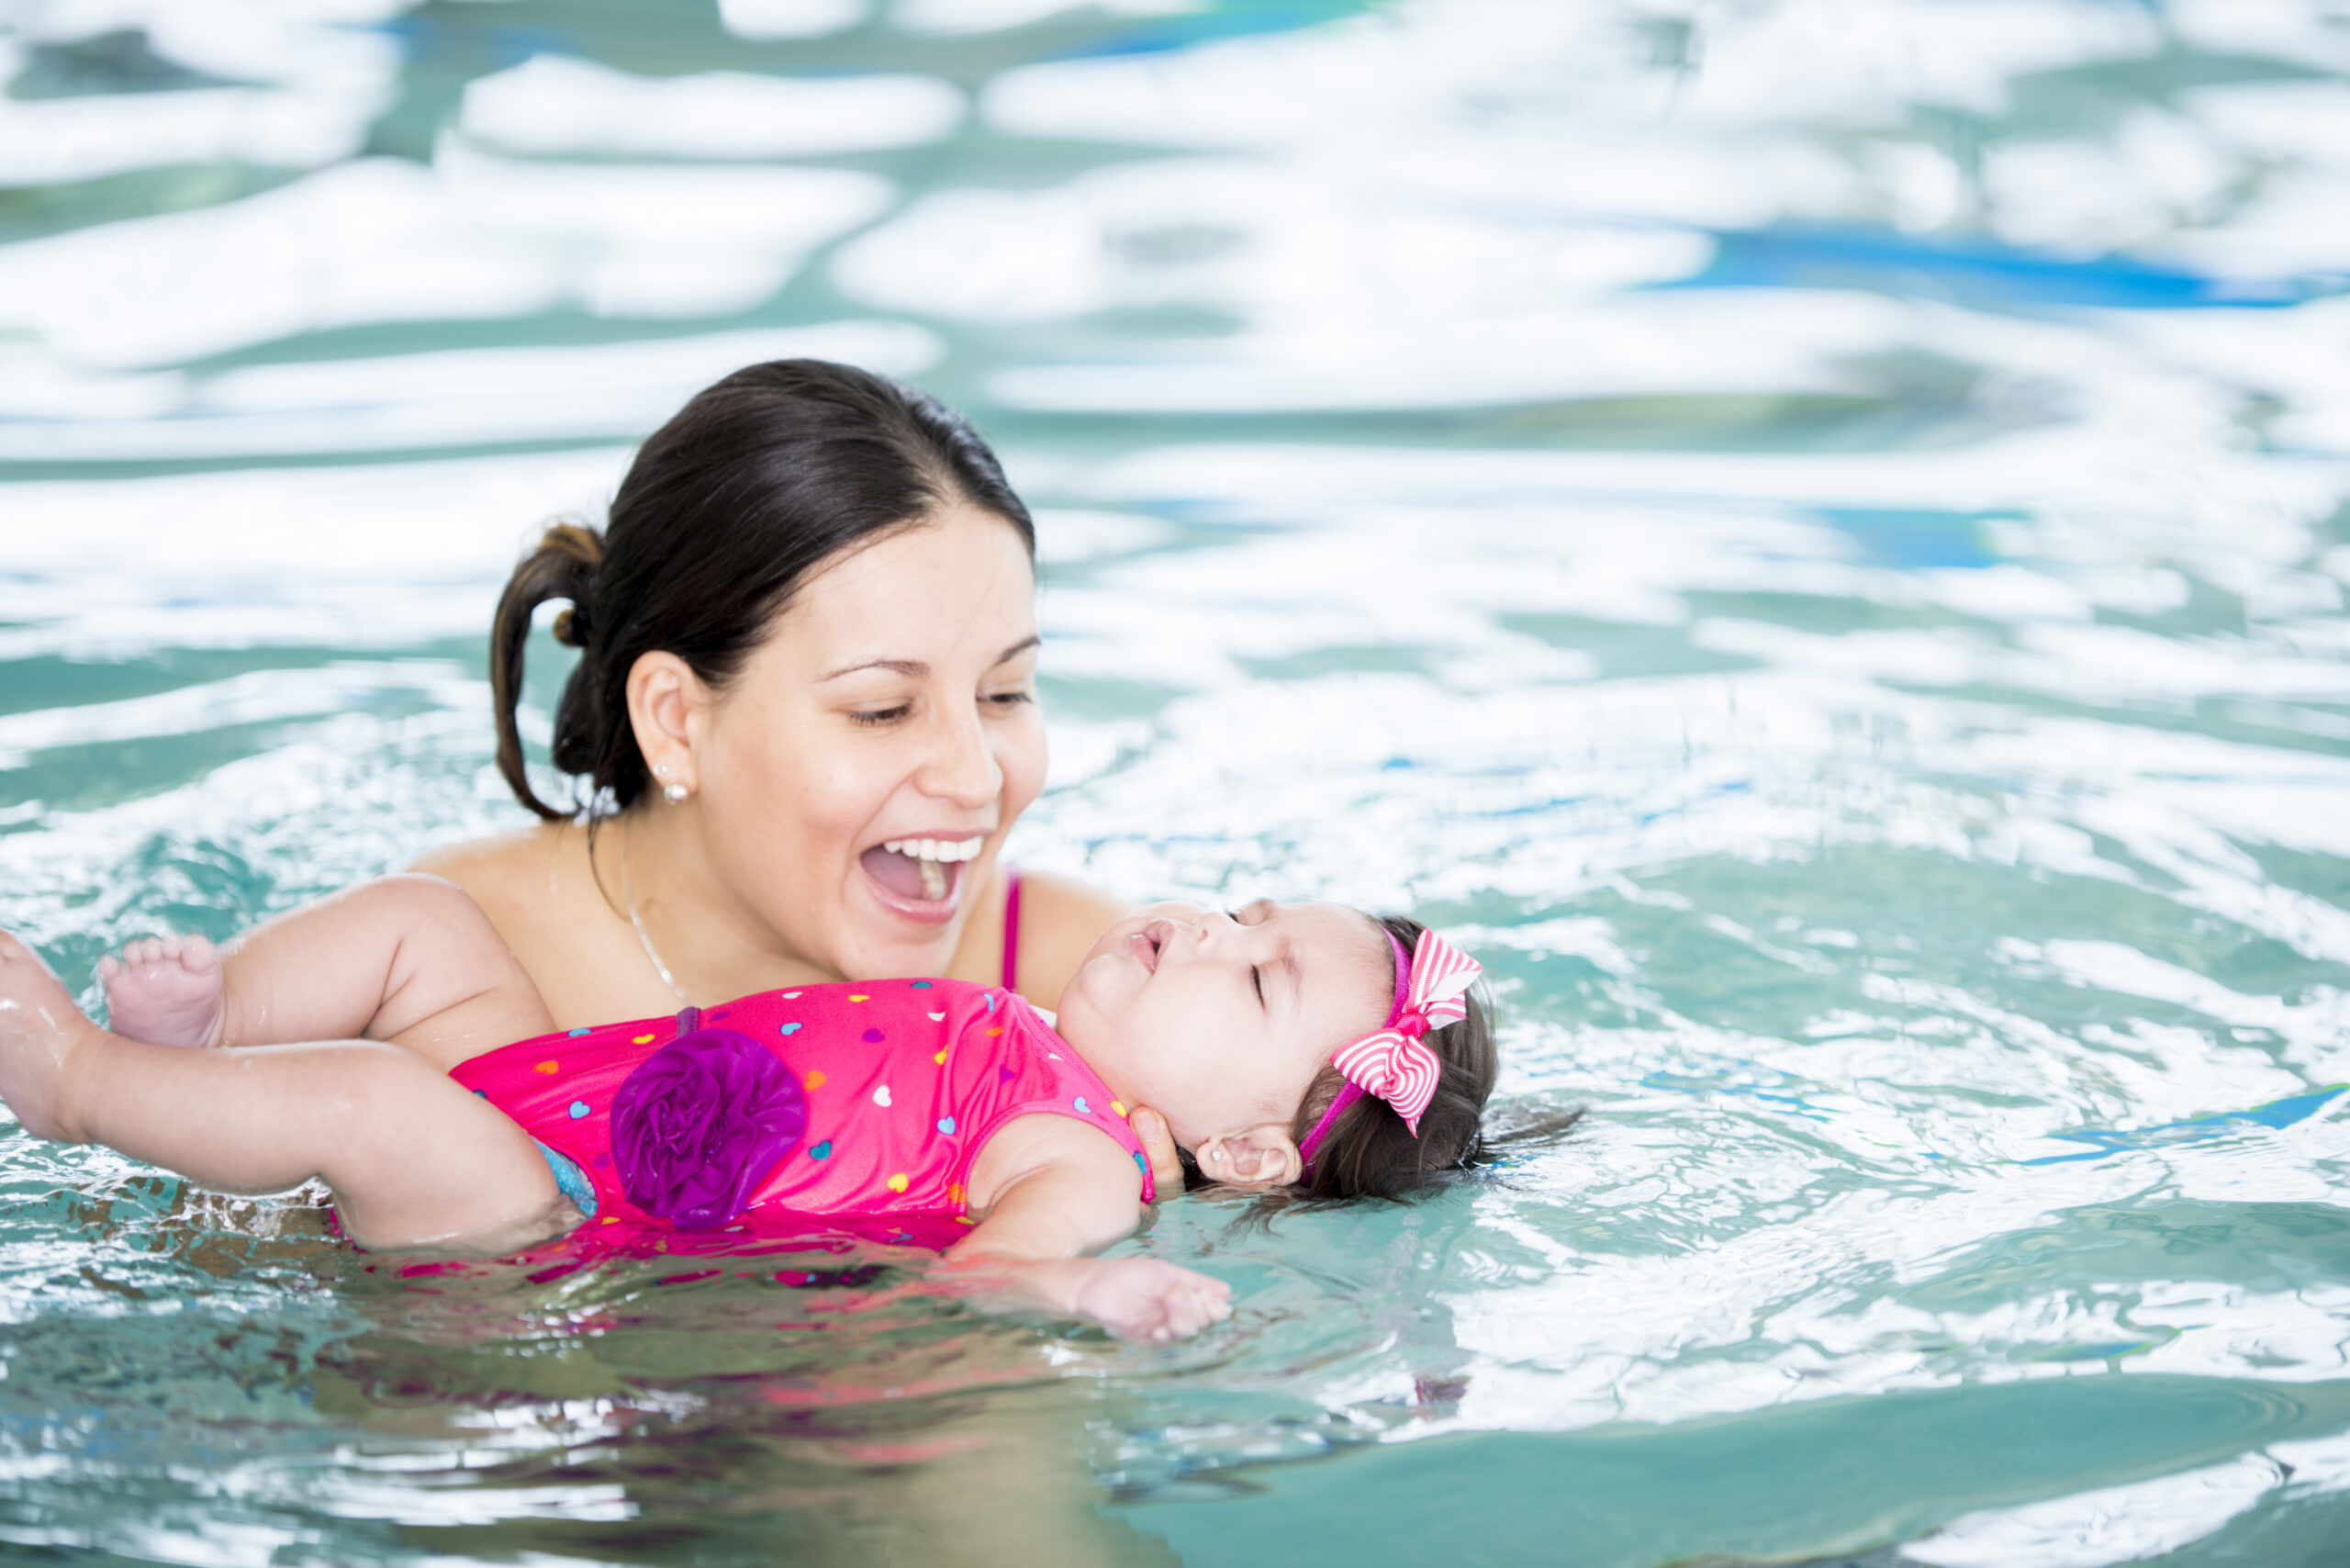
x,y
1145,1300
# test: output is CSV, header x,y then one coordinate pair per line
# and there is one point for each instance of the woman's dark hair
x,y
1371,1154
755,482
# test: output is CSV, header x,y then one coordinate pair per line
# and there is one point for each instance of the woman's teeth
x,y
938,849
932,855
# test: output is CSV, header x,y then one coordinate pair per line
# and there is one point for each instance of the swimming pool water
x,y
1813,534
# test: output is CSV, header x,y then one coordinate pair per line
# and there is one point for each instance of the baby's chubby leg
x,y
410,960
414,1159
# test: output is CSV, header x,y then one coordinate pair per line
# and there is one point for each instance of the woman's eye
x,y
1011,698
880,715
1257,978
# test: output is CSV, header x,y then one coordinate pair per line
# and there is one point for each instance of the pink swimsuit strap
x,y
1011,931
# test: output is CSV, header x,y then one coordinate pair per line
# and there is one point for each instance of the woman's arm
x,y
1051,1190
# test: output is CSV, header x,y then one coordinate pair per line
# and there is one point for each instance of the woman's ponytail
x,y
564,566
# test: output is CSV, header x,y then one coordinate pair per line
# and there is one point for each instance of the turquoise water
x,y
1813,534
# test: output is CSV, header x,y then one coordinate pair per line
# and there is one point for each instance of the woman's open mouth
x,y
920,877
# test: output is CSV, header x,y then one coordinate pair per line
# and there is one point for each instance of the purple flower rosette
x,y
700,1123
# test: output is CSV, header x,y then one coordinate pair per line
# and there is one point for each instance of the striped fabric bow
x,y
1396,1064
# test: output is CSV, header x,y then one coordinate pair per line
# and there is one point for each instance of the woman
x,y
804,711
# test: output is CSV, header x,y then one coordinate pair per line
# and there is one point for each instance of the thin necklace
x,y
628,897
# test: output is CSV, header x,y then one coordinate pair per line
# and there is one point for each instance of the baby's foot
x,y
39,1030
165,991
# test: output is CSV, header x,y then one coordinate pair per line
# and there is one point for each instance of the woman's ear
x,y
1261,1156
663,695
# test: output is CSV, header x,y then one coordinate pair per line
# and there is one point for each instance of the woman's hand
x,y
1147,1301
1159,1146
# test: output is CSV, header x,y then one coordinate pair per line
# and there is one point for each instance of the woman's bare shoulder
x,y
1056,901
539,890
514,872
1059,919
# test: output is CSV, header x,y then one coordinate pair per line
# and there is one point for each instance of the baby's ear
x,y
1261,1156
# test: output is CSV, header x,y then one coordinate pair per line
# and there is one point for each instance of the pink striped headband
x,y
1394,1062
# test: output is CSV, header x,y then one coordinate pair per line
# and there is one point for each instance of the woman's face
x,y
857,780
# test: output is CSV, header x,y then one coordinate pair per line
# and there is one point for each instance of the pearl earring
x,y
673,793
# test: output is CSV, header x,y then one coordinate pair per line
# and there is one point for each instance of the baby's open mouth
x,y
1148,942
923,869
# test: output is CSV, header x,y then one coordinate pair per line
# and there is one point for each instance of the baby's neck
x,y
1052,1027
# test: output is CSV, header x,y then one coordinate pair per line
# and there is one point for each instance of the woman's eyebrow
x,y
917,668
914,668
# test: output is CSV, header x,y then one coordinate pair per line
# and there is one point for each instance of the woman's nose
x,y
961,767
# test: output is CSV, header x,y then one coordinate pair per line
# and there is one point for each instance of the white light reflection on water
x,y
1688,498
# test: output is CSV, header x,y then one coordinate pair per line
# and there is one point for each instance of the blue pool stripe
x,y
2194,1129
1979,270
1231,19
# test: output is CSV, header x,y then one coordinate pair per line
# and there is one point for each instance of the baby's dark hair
x,y
1370,1153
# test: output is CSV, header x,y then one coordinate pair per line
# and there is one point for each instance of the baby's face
x,y
1220,1021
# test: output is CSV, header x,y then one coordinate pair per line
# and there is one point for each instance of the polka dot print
x,y
900,1139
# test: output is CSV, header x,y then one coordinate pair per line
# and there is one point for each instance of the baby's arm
x,y
1052,1189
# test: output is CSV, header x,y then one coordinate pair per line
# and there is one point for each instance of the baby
x,y
1291,1046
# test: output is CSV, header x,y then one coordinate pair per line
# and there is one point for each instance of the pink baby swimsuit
x,y
854,1108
